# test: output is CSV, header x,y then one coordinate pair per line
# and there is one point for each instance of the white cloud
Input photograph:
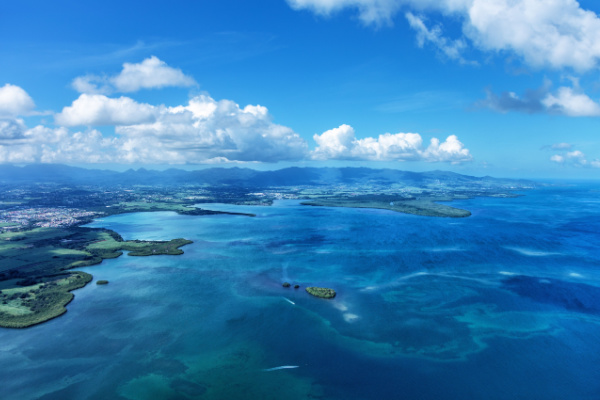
x,y
335,143
557,33
574,158
58,145
570,101
452,49
203,131
92,84
11,129
210,131
562,146
452,150
576,154
96,109
370,11
341,144
207,129
151,73
14,101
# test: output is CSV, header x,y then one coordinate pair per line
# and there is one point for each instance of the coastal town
x,y
58,217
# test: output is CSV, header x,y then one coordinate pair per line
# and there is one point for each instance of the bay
x,y
503,304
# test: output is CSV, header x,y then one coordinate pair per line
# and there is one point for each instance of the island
x,y
324,293
425,206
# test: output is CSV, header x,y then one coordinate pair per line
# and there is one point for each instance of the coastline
x,y
38,294
425,208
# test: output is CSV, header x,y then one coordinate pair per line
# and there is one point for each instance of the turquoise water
x,y
504,304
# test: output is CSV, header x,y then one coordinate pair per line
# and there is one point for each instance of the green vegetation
x,y
324,293
102,282
45,299
426,206
48,251
178,207
109,245
31,258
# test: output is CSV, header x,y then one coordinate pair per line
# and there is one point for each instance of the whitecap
x,y
289,301
282,367
531,252
348,317
444,249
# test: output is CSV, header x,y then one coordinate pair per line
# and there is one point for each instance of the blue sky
x,y
505,88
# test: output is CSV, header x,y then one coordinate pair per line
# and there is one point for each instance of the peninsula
x,y
38,285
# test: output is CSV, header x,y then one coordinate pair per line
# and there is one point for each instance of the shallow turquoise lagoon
x,y
504,304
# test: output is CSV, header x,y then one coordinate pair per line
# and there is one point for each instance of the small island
x,y
102,282
324,293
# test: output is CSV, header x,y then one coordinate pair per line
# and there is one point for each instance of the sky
x,y
482,87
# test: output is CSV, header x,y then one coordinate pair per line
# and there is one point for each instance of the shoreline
x,y
39,295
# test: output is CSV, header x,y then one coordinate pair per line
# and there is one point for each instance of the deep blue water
x,y
504,304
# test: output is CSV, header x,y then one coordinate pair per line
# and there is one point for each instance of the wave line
x,y
282,367
289,301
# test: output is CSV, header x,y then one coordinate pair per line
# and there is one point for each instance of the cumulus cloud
x,y
14,101
151,73
574,158
58,145
203,131
11,129
557,34
570,101
341,144
211,130
97,109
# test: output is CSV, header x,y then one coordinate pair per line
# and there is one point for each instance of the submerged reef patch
x,y
569,295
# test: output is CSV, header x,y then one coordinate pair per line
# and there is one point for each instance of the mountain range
x,y
245,177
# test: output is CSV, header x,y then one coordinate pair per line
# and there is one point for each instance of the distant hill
x,y
245,177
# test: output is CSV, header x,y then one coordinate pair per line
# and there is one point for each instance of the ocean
x,y
504,304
